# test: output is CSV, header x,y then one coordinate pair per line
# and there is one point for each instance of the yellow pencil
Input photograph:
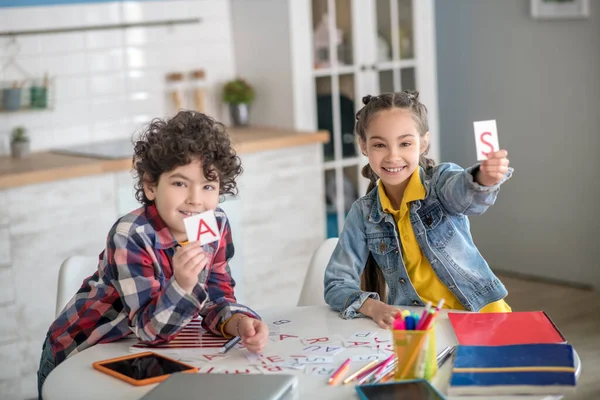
x,y
360,371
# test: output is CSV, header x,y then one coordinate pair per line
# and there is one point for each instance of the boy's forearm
x,y
216,316
148,328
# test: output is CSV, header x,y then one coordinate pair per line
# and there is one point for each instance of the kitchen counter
x,y
51,166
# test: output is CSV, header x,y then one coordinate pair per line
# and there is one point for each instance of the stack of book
x,y
510,354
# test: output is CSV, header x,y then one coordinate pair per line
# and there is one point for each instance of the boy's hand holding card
x,y
202,228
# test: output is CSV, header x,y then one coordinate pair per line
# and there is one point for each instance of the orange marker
x,y
335,376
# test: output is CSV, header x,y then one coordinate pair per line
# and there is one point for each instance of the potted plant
x,y
238,94
19,142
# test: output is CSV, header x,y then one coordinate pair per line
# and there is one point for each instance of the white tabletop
x,y
75,378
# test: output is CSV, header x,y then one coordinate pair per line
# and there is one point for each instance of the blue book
x,y
514,369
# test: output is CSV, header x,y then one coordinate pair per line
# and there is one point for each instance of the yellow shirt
x,y
423,277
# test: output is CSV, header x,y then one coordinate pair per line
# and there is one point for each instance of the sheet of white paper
x,y
314,360
281,322
307,341
240,371
292,365
368,357
486,138
362,336
209,369
350,344
321,371
273,369
202,227
256,359
322,349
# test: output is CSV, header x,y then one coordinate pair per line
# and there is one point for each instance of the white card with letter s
x,y
202,227
486,138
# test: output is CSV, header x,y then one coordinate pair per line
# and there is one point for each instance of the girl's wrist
x,y
367,307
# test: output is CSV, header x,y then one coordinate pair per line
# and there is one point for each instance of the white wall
x,y
261,31
110,82
541,81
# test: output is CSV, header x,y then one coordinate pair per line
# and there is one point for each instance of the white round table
x,y
76,379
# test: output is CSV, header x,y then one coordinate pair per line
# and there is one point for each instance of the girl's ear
x,y
149,189
425,143
363,146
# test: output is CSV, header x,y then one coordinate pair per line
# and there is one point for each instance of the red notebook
x,y
498,329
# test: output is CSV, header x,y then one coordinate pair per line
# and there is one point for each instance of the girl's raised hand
x,y
492,170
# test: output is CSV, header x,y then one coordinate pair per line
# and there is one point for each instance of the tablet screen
x,y
411,390
144,367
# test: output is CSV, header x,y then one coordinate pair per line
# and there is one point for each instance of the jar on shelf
x,y
199,90
11,97
38,93
175,89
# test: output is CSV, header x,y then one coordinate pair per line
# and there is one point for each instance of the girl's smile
x,y
393,170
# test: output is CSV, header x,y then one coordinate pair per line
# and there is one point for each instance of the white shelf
x,y
332,71
391,65
344,162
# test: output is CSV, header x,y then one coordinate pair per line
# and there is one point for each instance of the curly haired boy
x,y
150,281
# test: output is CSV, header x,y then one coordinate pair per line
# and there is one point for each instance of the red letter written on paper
x,y
207,230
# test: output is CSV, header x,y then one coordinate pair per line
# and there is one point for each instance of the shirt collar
x,y
414,191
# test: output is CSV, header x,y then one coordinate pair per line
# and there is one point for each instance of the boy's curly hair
x,y
170,143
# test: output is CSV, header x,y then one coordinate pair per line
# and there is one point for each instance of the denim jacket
x,y
442,230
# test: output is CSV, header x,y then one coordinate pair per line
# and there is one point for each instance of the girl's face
x,y
393,145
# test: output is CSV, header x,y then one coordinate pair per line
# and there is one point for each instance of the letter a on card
x,y
202,227
486,138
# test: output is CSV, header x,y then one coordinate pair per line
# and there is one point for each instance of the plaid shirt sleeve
x,y
220,284
156,312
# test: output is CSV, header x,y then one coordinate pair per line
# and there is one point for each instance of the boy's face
x,y
181,193
393,146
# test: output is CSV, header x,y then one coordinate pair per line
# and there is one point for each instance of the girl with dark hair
x,y
408,241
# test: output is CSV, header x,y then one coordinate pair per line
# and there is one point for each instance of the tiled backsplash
x,y
108,83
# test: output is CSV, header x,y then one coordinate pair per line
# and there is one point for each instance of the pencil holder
x,y
416,354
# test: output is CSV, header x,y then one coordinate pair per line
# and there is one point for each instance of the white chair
x,y
70,276
313,288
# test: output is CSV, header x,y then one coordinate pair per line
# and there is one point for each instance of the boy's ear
x,y
425,143
149,189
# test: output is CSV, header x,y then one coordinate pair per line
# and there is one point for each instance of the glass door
x,y
395,59
335,77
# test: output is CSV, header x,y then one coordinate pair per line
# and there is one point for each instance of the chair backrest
x,y
313,288
70,276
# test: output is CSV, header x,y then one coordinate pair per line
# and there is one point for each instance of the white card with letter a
x,y
486,138
202,227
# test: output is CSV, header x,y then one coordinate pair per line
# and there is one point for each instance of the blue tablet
x,y
418,389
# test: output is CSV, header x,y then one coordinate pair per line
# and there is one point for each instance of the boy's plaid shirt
x,y
134,289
